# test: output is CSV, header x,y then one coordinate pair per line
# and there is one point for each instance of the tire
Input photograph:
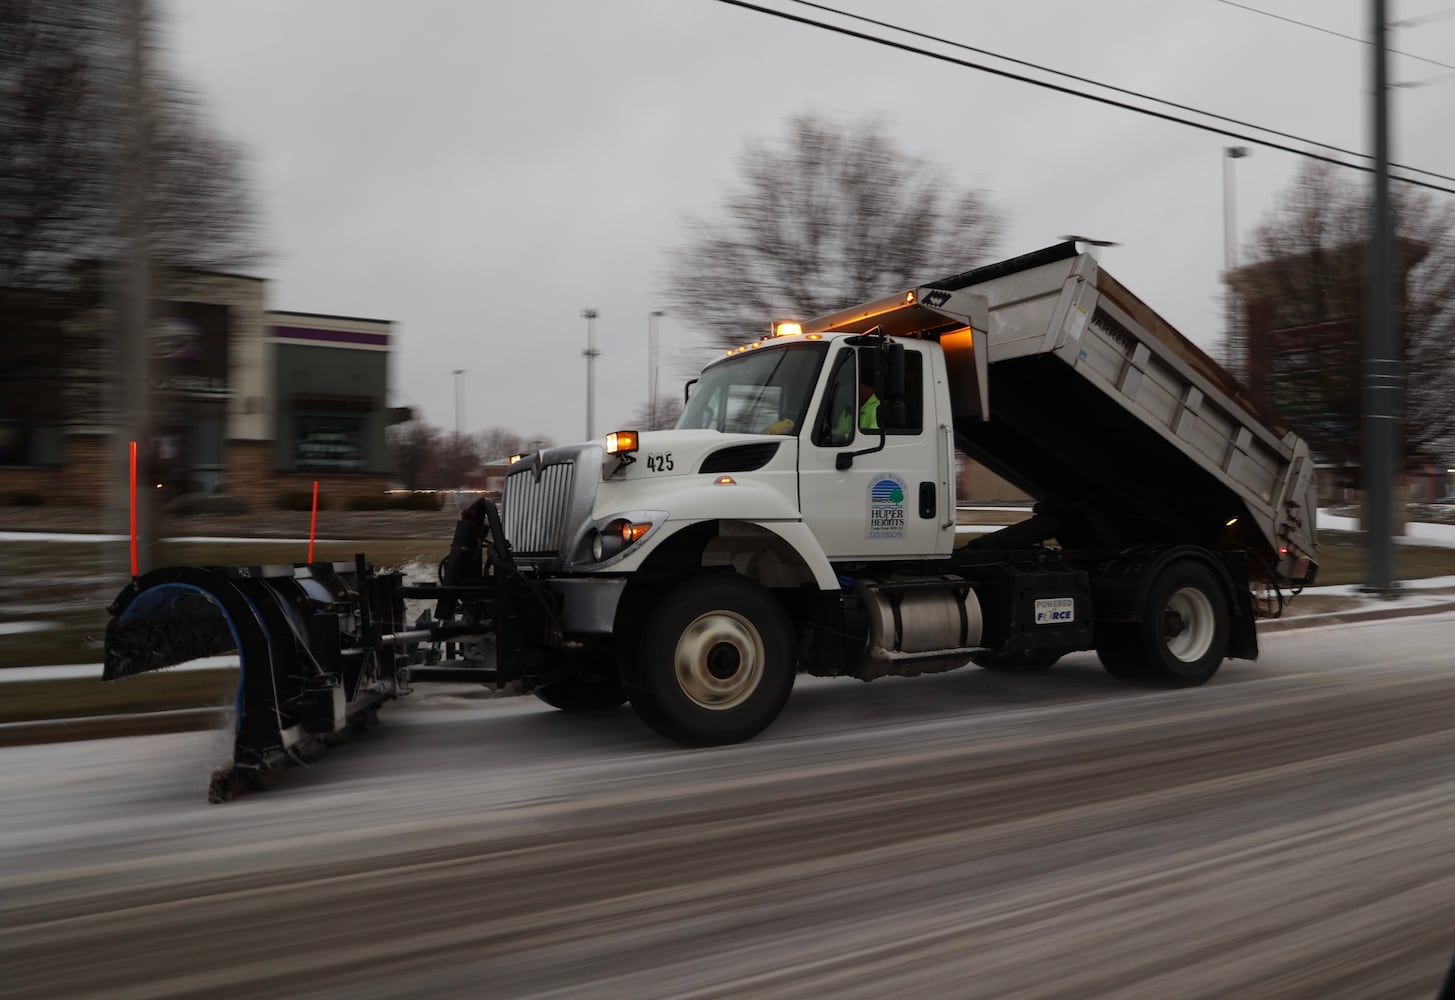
x,y
716,662
583,695
1116,648
1182,638
1029,662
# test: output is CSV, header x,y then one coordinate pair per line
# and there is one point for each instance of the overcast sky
x,y
480,172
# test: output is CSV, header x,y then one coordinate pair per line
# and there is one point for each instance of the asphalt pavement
x,y
1284,831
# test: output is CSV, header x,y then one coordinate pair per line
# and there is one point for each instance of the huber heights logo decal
x,y
886,507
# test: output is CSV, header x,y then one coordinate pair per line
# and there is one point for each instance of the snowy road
x,y
1286,831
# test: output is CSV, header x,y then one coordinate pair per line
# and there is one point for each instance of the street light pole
x,y
1237,351
459,413
591,354
652,318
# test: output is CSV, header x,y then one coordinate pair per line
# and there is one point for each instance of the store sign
x,y
188,343
328,444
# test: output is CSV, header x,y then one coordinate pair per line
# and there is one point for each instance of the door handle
x,y
948,439
927,500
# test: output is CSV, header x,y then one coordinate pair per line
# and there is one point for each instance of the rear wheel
x,y
716,663
1182,638
1116,648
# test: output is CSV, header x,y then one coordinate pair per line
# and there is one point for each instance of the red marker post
x,y
134,568
313,522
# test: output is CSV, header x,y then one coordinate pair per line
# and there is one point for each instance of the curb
x,y
1346,617
91,727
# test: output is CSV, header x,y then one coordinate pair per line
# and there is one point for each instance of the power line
x,y
1149,112
1423,19
1338,34
1113,88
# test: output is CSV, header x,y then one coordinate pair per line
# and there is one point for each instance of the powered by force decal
x,y
886,507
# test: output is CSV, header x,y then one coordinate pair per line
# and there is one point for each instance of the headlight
x,y
615,536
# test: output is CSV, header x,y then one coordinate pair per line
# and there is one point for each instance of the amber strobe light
x,y
621,442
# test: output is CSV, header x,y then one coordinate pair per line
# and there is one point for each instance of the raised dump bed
x,y
1125,430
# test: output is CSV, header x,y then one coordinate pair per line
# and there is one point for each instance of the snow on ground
x,y
68,671
71,536
20,628
1416,532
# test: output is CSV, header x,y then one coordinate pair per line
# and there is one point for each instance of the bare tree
x,y
831,214
412,450
62,142
457,459
1307,264
654,418
499,442
200,208
426,457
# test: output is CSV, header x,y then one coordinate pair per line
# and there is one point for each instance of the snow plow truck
x,y
784,527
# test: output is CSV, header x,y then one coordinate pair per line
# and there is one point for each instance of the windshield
x,y
765,391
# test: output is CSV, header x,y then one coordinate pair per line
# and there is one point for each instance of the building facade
x,y
242,401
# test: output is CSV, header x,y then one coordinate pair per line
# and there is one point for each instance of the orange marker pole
x,y
313,522
134,567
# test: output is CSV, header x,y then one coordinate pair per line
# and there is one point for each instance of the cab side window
x,y
896,415
835,425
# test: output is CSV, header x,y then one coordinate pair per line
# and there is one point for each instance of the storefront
x,y
242,401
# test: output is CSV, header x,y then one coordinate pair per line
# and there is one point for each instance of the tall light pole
x,y
652,318
459,413
591,354
1382,380
1237,352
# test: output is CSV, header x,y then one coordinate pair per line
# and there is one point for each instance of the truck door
x,y
893,503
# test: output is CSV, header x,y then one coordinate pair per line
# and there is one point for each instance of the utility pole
x,y
591,354
1382,377
132,286
1237,348
652,318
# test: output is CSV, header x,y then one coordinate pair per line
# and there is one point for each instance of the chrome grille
x,y
535,511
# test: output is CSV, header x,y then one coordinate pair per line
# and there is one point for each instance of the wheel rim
x,y
719,660
1195,611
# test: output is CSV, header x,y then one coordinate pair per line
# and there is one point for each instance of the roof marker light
x,y
724,481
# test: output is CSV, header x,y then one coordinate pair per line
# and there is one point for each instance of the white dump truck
x,y
801,518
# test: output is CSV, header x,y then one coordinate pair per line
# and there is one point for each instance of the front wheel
x,y
580,696
716,662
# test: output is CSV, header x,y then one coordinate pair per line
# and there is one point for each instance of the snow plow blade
x,y
322,645
307,641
